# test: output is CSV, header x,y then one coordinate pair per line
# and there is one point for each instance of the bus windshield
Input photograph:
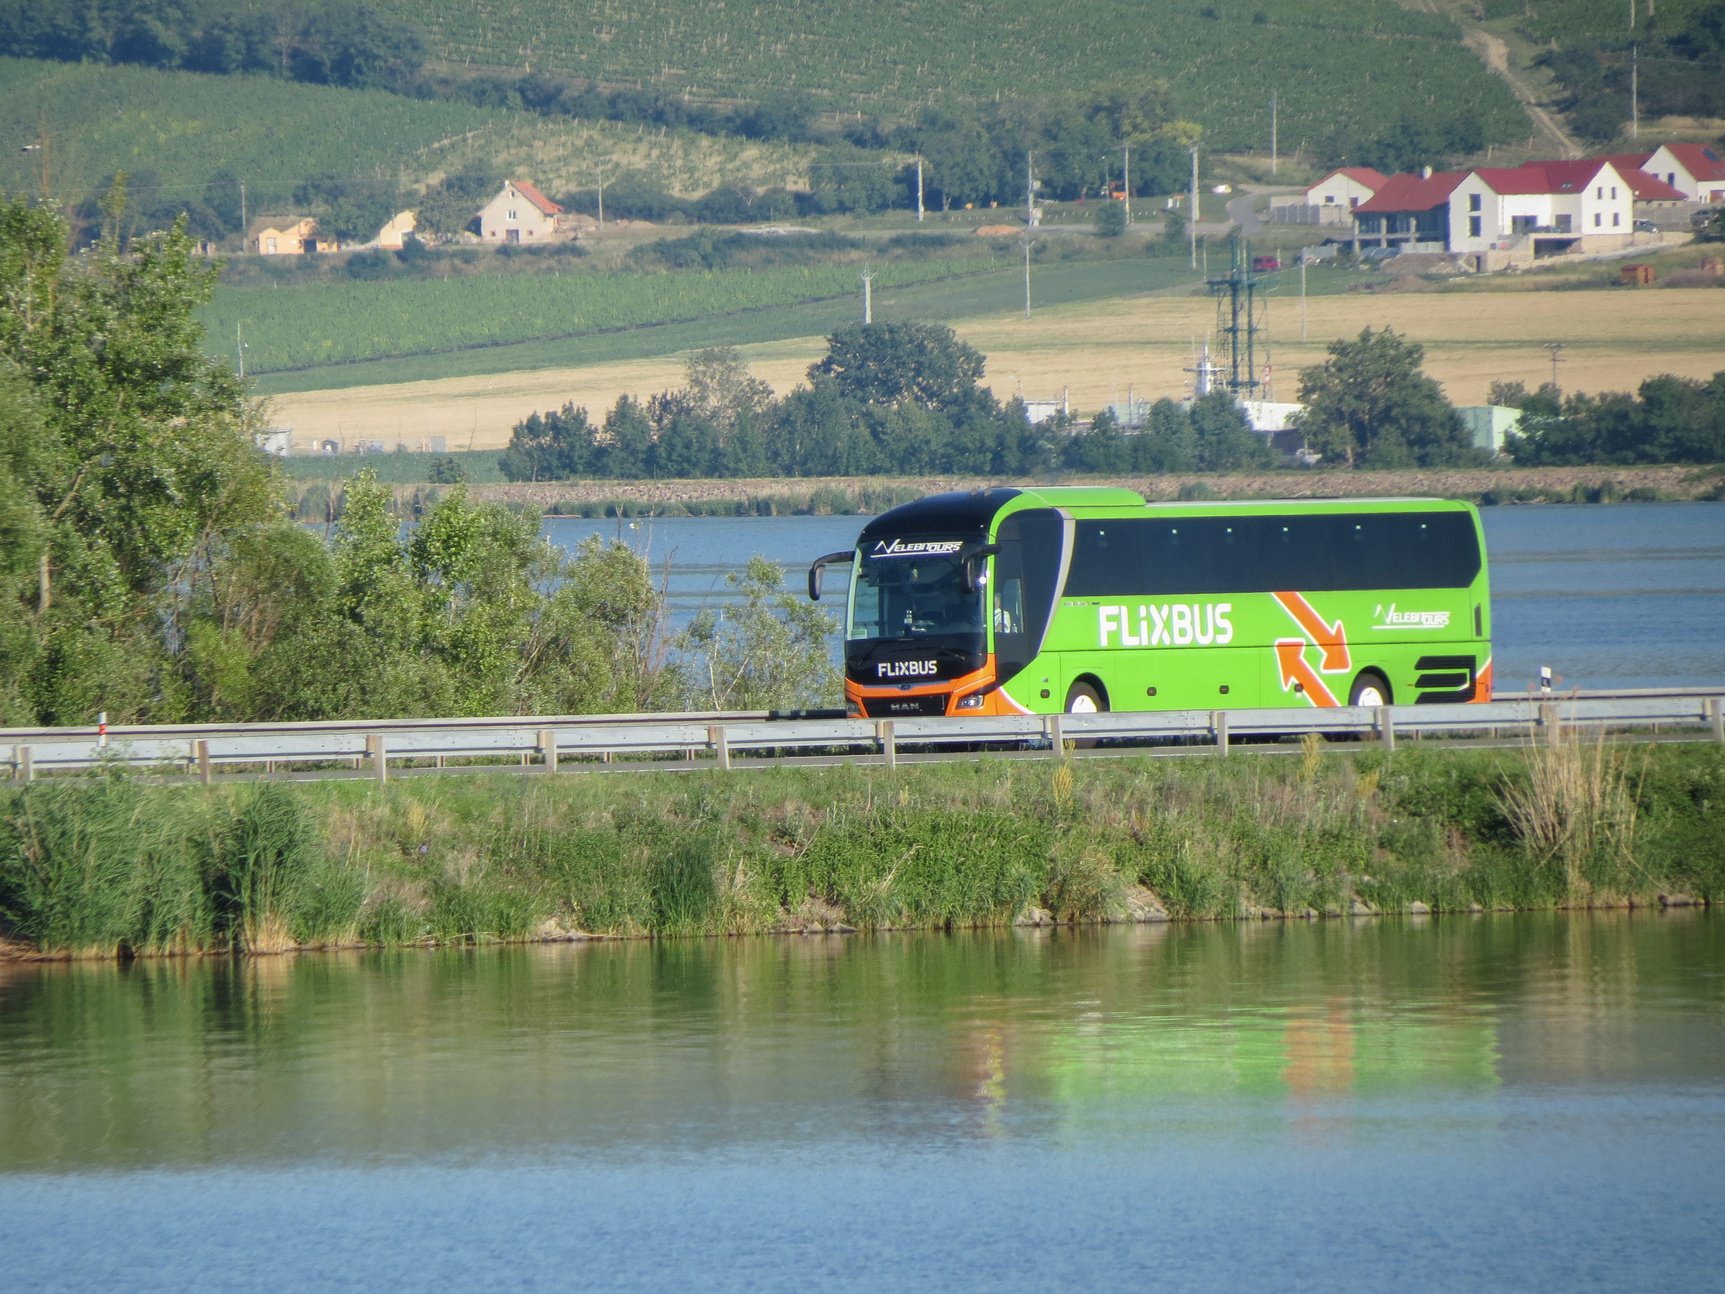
x,y
913,589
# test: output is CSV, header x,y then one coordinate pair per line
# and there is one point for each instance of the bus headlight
x,y
971,702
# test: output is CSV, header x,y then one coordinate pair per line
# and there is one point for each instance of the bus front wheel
x,y
1370,689
1084,699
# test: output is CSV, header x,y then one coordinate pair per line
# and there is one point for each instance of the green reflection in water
x,y
645,1048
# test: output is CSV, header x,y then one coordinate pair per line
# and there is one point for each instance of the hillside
x,y
188,138
1327,59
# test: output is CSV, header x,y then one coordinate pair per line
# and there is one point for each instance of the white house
x,y
1338,193
518,214
1543,208
1694,170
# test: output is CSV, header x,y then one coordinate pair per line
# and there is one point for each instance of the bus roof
x,y
973,512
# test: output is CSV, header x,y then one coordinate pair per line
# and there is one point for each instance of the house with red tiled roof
x,y
518,214
1650,191
1695,170
1338,193
1409,213
1542,208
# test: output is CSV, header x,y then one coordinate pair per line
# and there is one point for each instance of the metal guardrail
x,y
717,739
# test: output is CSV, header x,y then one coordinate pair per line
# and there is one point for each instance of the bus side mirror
x,y
970,563
820,564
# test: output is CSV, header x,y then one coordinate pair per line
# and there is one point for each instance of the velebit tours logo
x,y
917,548
1391,618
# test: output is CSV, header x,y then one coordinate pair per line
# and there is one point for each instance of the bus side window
x,y
1009,607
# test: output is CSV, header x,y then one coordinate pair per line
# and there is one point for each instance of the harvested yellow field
x,y
1099,354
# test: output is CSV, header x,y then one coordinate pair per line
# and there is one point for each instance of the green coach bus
x,y
1036,600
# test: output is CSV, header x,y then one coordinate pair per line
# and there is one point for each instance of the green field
x,y
1362,61
727,309
174,131
181,127
1570,19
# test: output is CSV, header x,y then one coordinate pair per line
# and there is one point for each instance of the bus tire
x,y
1370,689
1083,698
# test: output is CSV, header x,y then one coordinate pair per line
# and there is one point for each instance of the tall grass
x,y
1576,811
261,860
109,867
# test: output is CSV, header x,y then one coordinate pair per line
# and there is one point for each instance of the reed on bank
x,y
109,866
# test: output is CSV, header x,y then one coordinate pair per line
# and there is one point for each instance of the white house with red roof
x,y
1651,193
1338,193
518,214
1543,208
1695,170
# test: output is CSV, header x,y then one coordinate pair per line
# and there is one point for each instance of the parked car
x,y
1266,262
1646,227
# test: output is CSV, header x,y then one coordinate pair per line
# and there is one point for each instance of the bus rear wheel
x,y
1370,689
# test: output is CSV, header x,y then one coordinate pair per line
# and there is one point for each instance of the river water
x,y
1619,596
1493,1102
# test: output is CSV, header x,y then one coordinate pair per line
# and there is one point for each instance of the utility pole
x,y
1029,192
1302,297
1556,349
1272,132
240,348
868,295
244,222
1028,243
919,190
1192,215
1634,88
1126,180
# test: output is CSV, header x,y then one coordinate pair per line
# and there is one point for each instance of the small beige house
x,y
396,231
518,214
289,237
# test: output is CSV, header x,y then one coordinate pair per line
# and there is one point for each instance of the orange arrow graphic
x,y
1332,638
1291,655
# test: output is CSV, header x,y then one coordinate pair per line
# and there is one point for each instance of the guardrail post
x,y
888,747
1386,727
26,766
1056,727
1219,722
375,751
548,749
1716,717
201,753
721,745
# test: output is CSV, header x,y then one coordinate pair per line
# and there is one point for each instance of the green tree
x,y
1111,219
554,446
1223,440
899,362
1167,444
626,441
768,651
1369,405
130,460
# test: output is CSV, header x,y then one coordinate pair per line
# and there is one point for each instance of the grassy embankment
x,y
108,866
